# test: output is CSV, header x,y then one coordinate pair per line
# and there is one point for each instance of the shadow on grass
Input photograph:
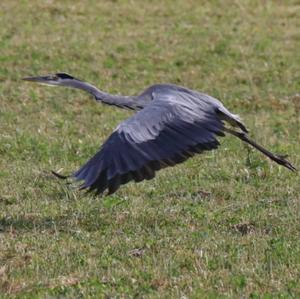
x,y
68,223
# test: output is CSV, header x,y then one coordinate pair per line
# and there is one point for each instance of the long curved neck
x,y
129,102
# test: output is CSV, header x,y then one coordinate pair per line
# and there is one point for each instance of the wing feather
x,y
171,129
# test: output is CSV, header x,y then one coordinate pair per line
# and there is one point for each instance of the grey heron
x,y
171,124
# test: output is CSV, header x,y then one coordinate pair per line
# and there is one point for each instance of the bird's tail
x,y
279,159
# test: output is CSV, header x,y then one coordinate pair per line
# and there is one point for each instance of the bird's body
x,y
172,123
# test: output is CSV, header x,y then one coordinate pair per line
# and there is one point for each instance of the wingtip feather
x,y
60,176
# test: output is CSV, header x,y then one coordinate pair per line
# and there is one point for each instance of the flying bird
x,y
171,124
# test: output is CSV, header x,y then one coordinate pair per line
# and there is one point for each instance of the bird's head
x,y
63,79
60,79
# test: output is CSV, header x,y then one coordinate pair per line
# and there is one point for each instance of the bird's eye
x,y
53,77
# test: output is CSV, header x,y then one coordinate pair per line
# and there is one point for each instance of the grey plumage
x,y
172,123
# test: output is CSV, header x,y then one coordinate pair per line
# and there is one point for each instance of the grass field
x,y
225,224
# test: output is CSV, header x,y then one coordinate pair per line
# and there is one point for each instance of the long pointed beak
x,y
42,79
45,80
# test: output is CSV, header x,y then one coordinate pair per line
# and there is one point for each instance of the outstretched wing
x,y
172,128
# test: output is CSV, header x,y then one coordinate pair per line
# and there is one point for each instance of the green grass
x,y
224,224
